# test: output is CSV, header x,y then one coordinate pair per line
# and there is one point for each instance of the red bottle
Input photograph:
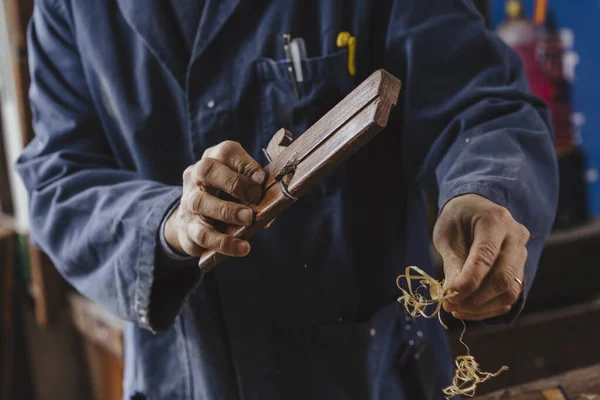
x,y
541,51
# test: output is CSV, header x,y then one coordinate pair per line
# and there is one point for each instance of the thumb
x,y
448,240
453,265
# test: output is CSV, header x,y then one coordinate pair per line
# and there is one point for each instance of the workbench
x,y
580,384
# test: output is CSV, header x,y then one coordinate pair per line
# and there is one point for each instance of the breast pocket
x,y
326,82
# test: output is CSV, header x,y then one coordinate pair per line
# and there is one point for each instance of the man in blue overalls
x,y
143,108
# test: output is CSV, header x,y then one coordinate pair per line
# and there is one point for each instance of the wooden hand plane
x,y
296,165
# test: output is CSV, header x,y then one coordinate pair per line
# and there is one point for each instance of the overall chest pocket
x,y
326,82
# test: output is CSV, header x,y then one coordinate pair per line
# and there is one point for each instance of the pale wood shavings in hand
x,y
418,303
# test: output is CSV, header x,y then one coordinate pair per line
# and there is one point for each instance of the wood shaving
x,y
418,302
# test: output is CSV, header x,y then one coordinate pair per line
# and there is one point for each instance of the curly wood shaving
x,y
468,374
417,303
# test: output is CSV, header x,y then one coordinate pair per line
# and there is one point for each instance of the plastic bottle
x,y
541,51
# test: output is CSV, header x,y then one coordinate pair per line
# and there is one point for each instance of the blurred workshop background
x,y
55,344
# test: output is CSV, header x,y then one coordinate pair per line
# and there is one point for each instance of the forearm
x,y
100,227
468,120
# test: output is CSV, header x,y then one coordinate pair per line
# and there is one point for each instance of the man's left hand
x,y
484,254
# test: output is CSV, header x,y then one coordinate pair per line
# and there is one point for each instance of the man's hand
x,y
484,255
227,168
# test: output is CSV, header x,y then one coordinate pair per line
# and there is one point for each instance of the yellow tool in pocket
x,y
345,39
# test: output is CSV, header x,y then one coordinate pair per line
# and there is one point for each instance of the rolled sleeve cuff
x,y
480,189
147,256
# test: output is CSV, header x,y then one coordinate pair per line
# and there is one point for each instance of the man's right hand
x,y
228,168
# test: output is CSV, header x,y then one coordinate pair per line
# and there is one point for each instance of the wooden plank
x,y
56,361
7,354
46,282
18,14
106,372
45,287
330,141
581,384
102,333
588,230
6,203
97,325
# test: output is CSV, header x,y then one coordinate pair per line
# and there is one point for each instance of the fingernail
x,y
254,194
259,177
245,216
242,248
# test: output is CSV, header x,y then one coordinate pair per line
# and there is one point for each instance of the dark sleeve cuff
x,y
160,291
480,189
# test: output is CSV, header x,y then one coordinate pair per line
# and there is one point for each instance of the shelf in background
x,y
584,382
588,230
536,346
568,271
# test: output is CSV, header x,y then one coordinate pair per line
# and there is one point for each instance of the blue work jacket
x,y
121,107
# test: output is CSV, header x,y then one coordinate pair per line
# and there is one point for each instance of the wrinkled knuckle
x,y
502,216
523,234
229,147
227,213
202,236
220,152
209,152
191,200
196,200
235,184
225,243
485,254
205,168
